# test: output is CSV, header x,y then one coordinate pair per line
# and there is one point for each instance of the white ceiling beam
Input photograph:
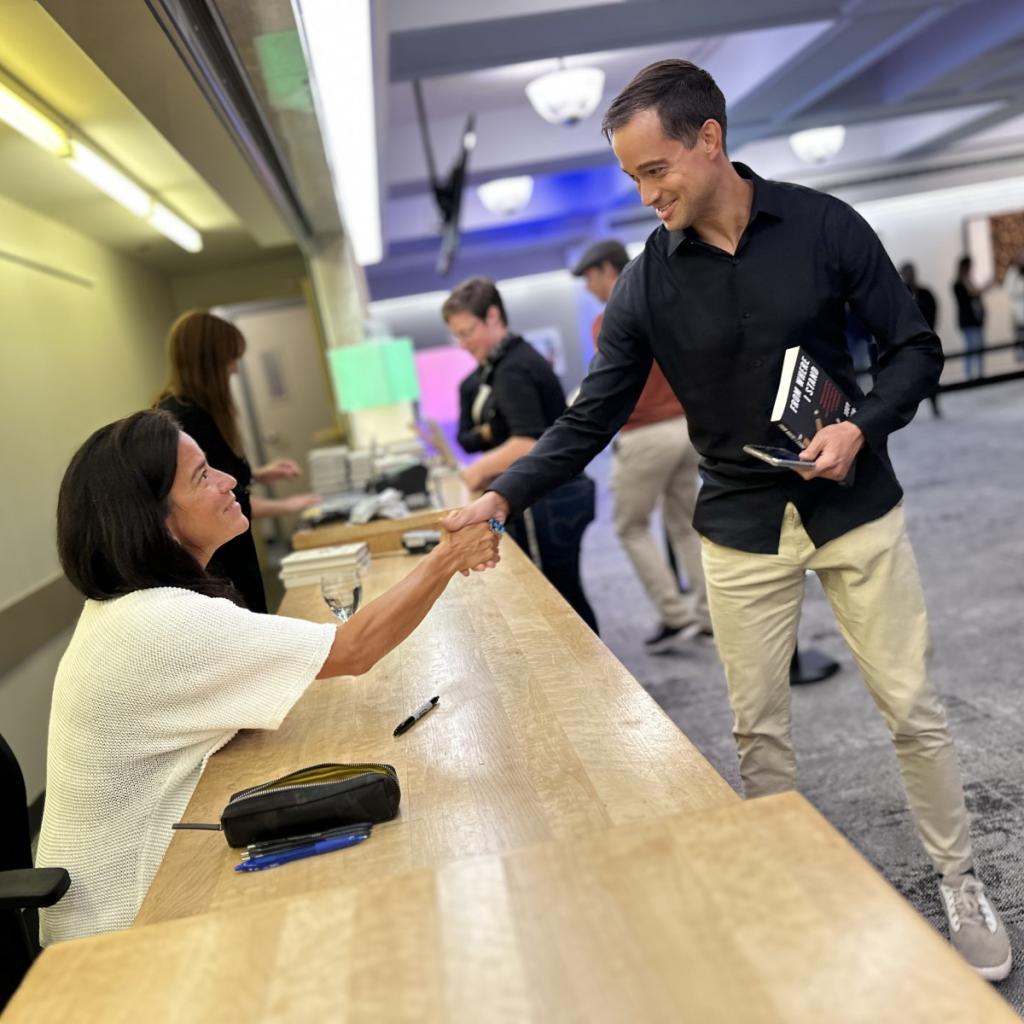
x,y
448,49
836,57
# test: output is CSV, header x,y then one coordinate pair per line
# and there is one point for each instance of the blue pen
x,y
272,860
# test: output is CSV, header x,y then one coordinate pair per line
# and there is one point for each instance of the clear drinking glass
x,y
341,591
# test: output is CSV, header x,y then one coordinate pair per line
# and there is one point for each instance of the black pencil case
x,y
311,799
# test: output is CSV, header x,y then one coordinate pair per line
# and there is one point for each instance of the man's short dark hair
x,y
608,251
684,96
475,295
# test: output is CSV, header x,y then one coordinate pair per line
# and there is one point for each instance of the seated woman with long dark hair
x,y
165,665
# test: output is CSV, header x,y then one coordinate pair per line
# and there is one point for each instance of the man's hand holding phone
x,y
832,450
830,454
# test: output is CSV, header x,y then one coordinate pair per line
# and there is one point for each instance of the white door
x,y
282,391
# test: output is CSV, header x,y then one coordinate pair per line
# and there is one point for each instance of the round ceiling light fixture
x,y
816,145
506,196
568,95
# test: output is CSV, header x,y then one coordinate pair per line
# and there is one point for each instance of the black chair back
x,y
18,929
15,838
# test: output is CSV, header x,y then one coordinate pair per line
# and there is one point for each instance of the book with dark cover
x,y
808,399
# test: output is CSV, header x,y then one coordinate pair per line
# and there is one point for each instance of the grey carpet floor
x,y
962,475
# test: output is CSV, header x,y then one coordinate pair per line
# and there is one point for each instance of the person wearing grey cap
x,y
653,460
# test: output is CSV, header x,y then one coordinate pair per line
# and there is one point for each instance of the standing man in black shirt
x,y
505,404
741,269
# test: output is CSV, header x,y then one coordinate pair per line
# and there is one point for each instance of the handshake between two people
x,y
472,533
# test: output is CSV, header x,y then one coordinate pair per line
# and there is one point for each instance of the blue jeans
x,y
974,341
559,520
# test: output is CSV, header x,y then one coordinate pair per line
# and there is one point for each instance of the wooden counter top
x,y
754,913
540,734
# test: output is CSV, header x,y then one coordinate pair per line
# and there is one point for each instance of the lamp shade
x,y
373,373
567,95
506,196
816,145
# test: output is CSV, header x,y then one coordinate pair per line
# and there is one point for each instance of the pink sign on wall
x,y
440,370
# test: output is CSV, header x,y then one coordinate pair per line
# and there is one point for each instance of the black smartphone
x,y
778,456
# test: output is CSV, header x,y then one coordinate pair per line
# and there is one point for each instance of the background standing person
x,y
504,406
925,299
970,316
1014,284
202,352
653,460
740,270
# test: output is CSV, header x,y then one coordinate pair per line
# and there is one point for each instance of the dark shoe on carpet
x,y
672,638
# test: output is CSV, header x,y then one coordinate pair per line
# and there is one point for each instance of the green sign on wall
x,y
373,373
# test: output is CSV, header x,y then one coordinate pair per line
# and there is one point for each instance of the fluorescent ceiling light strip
x,y
36,127
108,179
339,45
23,117
174,228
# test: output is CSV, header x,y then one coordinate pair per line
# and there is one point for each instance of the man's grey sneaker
x,y
672,638
975,929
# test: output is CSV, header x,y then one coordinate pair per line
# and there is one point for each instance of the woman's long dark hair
x,y
112,535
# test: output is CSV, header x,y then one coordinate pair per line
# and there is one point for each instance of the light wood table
x,y
540,734
756,913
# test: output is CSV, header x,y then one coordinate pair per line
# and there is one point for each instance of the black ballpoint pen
x,y
415,716
288,842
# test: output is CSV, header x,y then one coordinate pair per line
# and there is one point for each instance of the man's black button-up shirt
x,y
718,324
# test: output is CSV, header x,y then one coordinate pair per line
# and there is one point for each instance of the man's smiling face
x,y
674,180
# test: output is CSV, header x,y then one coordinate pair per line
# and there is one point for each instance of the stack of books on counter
x,y
303,568
360,469
328,469
412,448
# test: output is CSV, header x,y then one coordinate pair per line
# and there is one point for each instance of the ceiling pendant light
x,y
506,196
816,145
568,95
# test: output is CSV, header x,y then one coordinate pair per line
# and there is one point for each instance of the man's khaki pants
x,y
652,462
870,578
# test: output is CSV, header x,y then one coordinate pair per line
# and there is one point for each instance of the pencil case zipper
x,y
351,771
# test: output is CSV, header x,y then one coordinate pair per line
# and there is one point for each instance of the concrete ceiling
x,y
912,80
917,83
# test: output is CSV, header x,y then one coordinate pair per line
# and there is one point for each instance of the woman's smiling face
x,y
204,514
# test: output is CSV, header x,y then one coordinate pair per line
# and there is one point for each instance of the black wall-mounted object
x,y
447,194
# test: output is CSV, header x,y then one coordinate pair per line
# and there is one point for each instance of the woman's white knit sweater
x,y
150,686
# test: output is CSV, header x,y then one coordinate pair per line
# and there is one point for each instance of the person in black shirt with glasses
x,y
505,404
741,269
